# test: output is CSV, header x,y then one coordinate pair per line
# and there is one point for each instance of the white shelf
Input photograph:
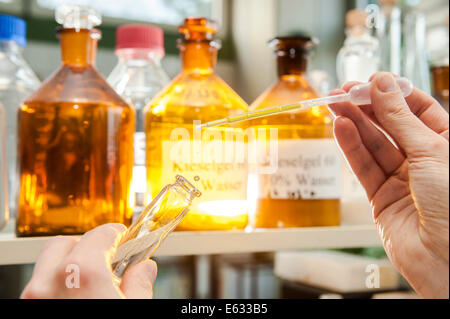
x,y
26,250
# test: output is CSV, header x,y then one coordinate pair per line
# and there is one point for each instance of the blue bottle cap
x,y
13,29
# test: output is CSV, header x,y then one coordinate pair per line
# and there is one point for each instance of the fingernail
x,y
386,83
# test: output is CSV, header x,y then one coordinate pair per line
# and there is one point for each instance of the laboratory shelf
x,y
26,250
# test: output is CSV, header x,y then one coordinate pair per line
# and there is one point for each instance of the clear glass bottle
x,y
305,189
389,33
359,58
75,141
17,81
138,77
197,94
154,223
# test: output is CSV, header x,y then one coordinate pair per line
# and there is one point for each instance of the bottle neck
x,y
291,64
198,56
78,47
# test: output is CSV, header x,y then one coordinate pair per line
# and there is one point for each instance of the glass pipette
x,y
359,94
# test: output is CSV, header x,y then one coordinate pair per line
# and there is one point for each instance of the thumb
x,y
137,282
396,118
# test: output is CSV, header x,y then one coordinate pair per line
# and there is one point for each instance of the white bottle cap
x,y
77,17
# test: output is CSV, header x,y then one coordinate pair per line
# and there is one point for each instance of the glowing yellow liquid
x,y
204,97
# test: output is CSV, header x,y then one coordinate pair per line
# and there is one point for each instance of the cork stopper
x,y
355,18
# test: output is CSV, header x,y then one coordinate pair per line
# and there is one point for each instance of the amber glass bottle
x,y
197,94
75,141
304,190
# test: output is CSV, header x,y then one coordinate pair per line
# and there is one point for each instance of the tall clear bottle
x,y
17,81
359,58
389,33
174,147
305,189
138,77
75,141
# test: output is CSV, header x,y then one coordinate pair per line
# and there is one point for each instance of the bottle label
x,y
220,178
307,169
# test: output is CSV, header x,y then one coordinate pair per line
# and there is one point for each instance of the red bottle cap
x,y
140,36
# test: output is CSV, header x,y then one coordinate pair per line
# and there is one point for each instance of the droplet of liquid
x,y
196,178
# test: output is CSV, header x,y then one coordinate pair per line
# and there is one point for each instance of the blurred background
x,y
245,28
248,66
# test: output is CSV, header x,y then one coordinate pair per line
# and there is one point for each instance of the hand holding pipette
x,y
359,94
406,183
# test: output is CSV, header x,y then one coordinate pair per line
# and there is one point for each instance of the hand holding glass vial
x,y
153,225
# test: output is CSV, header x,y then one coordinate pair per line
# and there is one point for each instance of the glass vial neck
x,y
78,46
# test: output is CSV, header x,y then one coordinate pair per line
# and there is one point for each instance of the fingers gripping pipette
x,y
359,94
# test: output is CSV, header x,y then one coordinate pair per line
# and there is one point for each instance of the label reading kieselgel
x,y
307,169
219,179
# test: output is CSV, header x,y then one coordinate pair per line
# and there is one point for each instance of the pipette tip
x,y
200,127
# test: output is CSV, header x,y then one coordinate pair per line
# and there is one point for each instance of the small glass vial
x,y
359,58
17,81
154,223
304,191
138,77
